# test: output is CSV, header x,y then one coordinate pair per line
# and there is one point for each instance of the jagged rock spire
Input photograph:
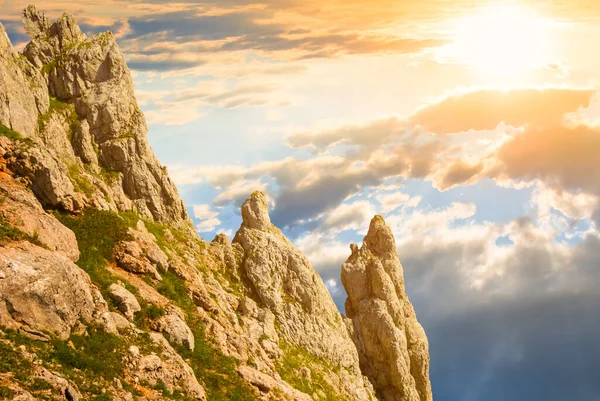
x,y
392,345
35,22
282,281
255,212
380,239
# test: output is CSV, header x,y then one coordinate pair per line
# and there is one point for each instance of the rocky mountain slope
x,y
107,292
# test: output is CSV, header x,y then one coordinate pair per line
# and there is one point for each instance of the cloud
x,y
485,109
505,312
170,113
237,192
325,253
349,216
206,226
140,63
190,32
559,155
241,95
575,206
208,218
544,148
459,173
391,201
368,135
204,212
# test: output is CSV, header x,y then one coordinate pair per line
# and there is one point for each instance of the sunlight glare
x,y
502,41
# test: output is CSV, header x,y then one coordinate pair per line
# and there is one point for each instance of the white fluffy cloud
x,y
208,218
391,201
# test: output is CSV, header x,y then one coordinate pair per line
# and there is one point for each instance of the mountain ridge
x,y
108,293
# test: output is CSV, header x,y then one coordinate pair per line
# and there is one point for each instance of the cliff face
x,y
107,293
74,97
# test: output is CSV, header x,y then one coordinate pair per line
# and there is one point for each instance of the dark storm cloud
x,y
543,349
529,334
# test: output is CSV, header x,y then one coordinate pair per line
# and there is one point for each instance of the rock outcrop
x,y
166,367
173,324
140,254
23,93
42,289
391,343
21,208
90,139
282,281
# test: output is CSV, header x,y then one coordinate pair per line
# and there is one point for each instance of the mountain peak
x,y
393,347
380,239
255,212
35,22
73,97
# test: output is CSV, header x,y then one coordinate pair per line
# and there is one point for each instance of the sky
x,y
472,126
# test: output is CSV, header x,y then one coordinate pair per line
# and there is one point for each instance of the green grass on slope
x,y
90,361
9,133
9,233
214,369
97,354
97,234
294,358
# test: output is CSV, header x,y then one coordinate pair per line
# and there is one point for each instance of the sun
x,y
502,40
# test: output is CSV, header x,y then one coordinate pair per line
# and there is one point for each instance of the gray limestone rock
x,y
19,89
21,209
92,75
175,327
82,143
141,254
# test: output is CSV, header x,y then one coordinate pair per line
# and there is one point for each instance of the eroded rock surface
x,y
283,282
42,289
392,344
89,145
124,301
167,367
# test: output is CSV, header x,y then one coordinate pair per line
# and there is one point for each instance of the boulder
x,y
20,208
141,254
124,301
43,289
175,327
